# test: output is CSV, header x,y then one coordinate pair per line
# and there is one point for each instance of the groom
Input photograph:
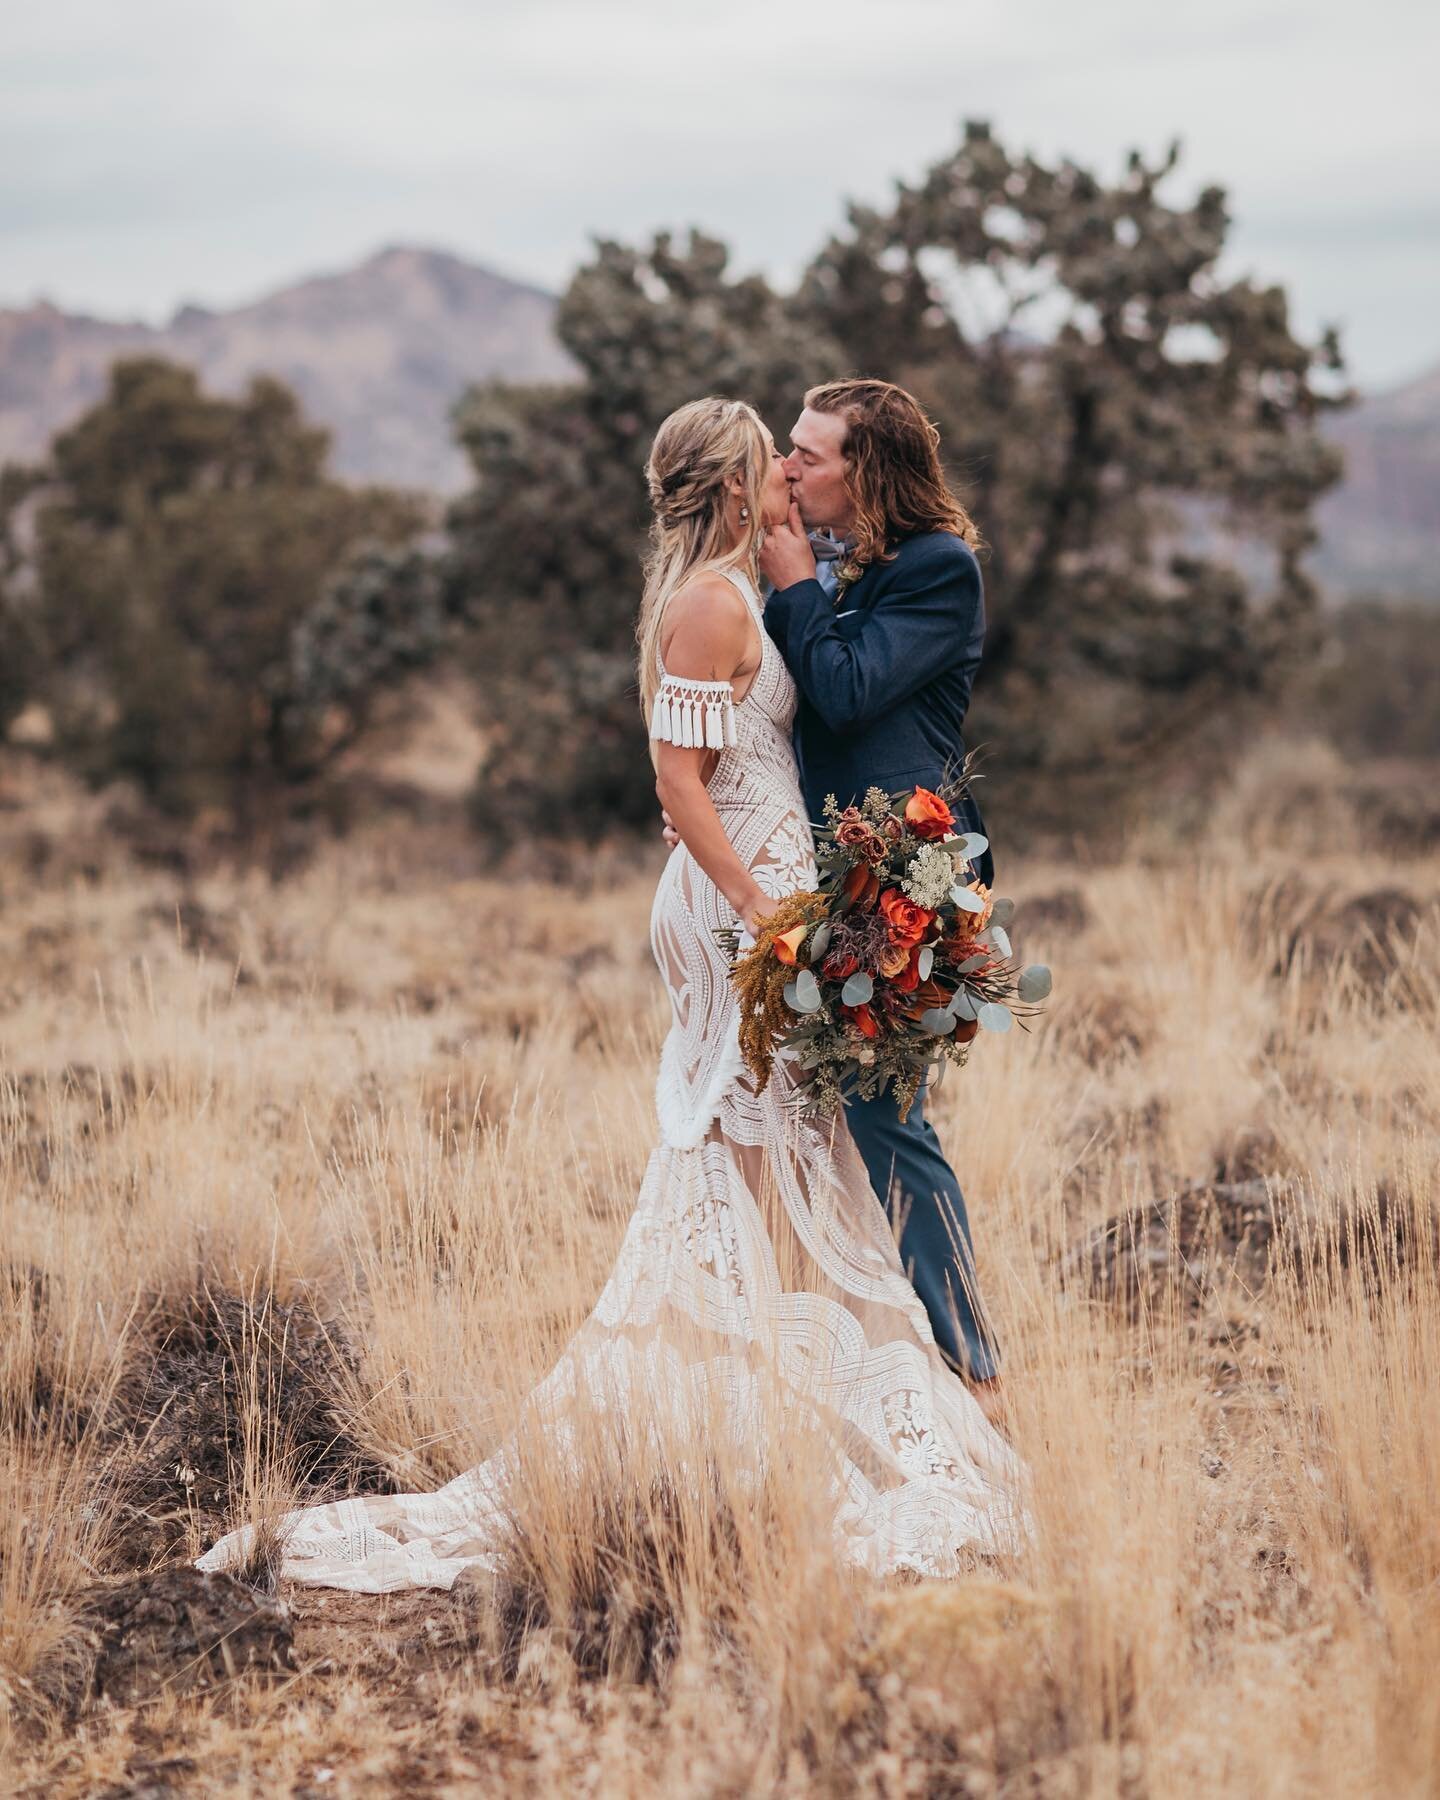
x,y
883,639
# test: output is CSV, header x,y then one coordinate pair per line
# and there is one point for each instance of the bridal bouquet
x,y
895,964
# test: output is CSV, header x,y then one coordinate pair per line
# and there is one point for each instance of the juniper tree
x,y
1136,434
183,547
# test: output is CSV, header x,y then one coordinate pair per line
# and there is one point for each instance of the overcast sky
x,y
156,151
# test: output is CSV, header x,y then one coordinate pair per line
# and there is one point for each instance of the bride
x,y
758,1267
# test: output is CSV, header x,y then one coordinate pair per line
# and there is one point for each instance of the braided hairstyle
x,y
696,452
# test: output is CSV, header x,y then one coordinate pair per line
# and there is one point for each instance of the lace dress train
x,y
758,1262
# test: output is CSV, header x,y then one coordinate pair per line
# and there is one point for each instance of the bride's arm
x,y
711,638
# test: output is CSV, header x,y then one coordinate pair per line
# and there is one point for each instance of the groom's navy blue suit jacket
x,y
885,675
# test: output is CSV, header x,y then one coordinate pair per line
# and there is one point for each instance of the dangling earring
x,y
744,515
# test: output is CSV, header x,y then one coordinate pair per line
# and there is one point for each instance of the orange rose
x,y
864,1019
787,945
909,977
908,922
927,815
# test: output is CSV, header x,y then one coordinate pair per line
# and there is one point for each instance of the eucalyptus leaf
x,y
1034,983
994,1016
937,1021
973,844
971,963
925,962
963,1005
858,989
820,942
792,999
966,899
1000,938
807,992
1002,912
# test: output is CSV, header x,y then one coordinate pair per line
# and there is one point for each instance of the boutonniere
x,y
847,573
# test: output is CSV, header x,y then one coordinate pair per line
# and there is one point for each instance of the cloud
x,y
166,150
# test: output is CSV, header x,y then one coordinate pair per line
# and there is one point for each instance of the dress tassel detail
x,y
696,715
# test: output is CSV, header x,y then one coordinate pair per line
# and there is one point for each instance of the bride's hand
x,y
786,556
757,907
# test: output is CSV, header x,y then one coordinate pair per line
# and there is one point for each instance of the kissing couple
x,y
827,1259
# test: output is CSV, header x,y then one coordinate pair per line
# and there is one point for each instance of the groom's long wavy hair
x,y
695,453
896,477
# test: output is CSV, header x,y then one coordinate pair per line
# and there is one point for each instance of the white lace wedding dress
x,y
758,1262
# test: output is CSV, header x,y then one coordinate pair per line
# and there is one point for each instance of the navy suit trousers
x,y
908,1170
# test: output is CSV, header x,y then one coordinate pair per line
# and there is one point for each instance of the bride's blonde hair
x,y
696,451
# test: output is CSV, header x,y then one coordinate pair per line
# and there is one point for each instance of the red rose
x,y
839,965
909,977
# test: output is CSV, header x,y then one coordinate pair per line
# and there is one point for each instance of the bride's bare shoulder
x,y
706,617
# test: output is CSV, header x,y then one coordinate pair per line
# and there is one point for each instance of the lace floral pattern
x,y
756,1241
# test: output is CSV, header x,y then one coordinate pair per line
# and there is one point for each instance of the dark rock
x,y
1102,1027
1214,1237
1253,1153
200,929
1052,916
1196,1237
1383,1240
1372,932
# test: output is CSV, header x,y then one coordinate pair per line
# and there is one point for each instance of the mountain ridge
x,y
380,350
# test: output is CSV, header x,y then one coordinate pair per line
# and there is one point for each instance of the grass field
x,y
302,1184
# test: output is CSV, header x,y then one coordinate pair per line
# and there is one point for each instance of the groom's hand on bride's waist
x,y
670,834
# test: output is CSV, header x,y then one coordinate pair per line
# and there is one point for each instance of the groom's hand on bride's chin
x,y
786,556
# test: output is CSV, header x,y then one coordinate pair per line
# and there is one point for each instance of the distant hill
x,y
1381,528
379,353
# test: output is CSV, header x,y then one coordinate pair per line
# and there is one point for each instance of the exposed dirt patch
x,y
174,1630
180,1418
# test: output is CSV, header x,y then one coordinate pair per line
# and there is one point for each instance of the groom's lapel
x,y
860,595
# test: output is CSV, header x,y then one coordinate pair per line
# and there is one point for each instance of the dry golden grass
x,y
301,1187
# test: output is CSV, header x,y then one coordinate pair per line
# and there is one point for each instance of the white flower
x,y
929,876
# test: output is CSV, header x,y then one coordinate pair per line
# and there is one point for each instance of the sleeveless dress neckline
x,y
746,590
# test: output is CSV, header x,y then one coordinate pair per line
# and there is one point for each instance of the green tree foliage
x,y
21,640
547,544
1136,435
191,559
1114,411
